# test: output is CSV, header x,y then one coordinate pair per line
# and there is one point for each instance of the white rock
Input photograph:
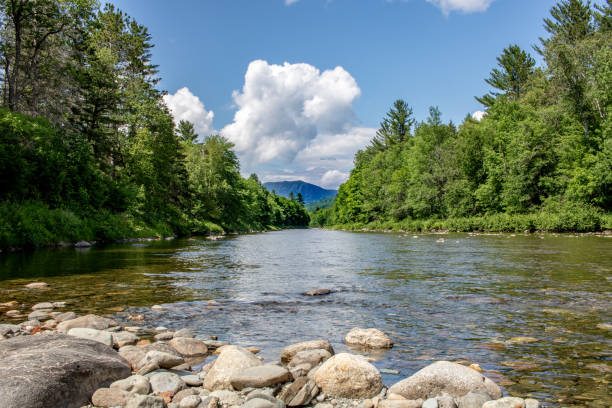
x,y
92,334
348,376
370,338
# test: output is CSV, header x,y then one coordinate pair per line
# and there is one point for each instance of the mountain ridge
x,y
310,192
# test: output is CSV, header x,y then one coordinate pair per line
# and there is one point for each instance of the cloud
x,y
333,178
290,2
465,6
478,115
283,108
184,105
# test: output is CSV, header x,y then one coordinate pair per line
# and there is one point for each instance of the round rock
x,y
290,351
188,347
260,377
232,360
166,382
445,377
348,376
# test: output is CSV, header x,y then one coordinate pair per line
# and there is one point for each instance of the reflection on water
x,y
471,298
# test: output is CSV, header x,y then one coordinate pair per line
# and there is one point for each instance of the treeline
x,y
89,150
539,159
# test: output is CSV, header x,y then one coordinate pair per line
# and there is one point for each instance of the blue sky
x,y
300,85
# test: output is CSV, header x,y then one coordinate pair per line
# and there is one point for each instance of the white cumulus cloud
x,y
184,105
333,178
478,115
465,6
283,108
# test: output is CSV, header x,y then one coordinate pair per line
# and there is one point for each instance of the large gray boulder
x,y
55,371
348,376
445,377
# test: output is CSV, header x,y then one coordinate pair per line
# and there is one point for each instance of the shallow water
x,y
465,299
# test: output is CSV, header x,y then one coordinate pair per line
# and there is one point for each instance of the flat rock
x,y
165,336
43,306
507,402
348,376
82,244
263,403
188,347
401,403
92,334
318,292
39,315
370,338
134,384
166,382
192,380
445,377
260,377
227,398
86,322
55,370
37,285
109,397
290,351
231,361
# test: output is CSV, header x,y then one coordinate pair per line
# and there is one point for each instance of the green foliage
x,y
108,161
540,159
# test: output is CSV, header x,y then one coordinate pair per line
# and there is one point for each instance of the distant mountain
x,y
321,204
310,192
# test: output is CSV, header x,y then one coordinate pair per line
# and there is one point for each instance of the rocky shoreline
x,y
59,359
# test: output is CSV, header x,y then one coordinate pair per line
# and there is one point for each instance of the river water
x,y
482,299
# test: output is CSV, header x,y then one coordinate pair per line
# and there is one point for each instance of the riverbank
x,y
35,225
535,222
103,363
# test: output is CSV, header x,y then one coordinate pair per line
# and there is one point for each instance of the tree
x,y
300,199
187,132
396,126
515,68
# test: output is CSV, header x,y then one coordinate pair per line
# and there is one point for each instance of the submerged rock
x,y
445,377
55,370
370,338
87,322
318,292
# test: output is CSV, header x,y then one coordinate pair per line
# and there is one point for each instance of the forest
x,y
540,157
89,150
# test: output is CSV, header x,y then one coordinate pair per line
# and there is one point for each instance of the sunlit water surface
x,y
461,300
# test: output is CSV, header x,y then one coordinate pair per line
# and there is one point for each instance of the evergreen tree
x,y
396,126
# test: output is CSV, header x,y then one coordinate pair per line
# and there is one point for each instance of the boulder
x,y
39,315
401,403
531,403
507,402
290,351
109,397
445,377
304,395
369,338
232,360
86,322
92,334
55,370
348,376
260,377
190,401
188,347
135,384
165,336
82,244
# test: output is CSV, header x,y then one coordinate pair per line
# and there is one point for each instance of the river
x,y
482,299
